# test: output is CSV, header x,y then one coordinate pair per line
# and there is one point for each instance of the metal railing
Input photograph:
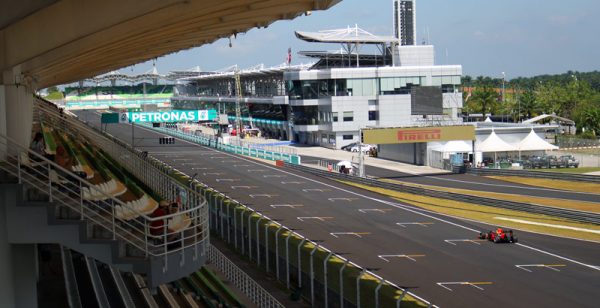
x,y
137,231
212,141
536,174
64,188
575,215
575,142
220,225
262,145
241,280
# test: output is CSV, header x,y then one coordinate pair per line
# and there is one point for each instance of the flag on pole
x,y
289,56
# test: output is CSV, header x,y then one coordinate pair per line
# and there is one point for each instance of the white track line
x,y
399,206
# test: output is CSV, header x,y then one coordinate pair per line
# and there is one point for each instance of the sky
x,y
487,37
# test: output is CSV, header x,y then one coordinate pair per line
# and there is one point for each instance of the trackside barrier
x,y
580,216
212,142
241,280
537,174
305,267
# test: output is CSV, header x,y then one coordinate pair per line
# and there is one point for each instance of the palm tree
x,y
485,97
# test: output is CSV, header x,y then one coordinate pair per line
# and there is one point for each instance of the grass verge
x,y
488,214
560,203
555,184
579,170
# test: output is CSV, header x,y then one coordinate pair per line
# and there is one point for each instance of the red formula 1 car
x,y
499,236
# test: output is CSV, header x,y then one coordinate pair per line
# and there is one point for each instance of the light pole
x,y
503,80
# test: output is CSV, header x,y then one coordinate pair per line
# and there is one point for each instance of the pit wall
x,y
213,142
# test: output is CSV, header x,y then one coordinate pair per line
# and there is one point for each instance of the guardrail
x,y
537,174
241,280
579,216
213,142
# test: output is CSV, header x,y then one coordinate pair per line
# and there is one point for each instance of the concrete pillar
x,y
17,119
7,290
18,267
3,147
24,263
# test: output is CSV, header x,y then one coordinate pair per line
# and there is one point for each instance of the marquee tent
x,y
533,142
495,144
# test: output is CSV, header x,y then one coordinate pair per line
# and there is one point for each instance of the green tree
x,y
484,99
590,120
528,105
54,94
563,100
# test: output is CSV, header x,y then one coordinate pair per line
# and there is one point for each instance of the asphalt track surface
x,y
364,225
474,183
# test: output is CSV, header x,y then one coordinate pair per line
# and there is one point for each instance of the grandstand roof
x,y
253,71
552,116
56,42
347,35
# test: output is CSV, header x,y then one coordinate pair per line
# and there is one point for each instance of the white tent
x,y
495,144
456,146
488,120
533,142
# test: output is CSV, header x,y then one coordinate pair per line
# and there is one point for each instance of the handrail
x,y
240,279
67,188
63,170
109,142
57,119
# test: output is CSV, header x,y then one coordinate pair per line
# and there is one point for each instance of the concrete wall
x,y
18,266
394,110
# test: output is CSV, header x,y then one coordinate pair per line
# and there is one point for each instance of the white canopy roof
x,y
488,120
493,143
533,142
348,35
457,146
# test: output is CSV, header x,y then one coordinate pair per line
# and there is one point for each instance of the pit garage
x,y
412,144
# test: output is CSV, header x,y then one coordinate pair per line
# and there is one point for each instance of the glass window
x,y
340,87
335,116
348,137
310,89
323,88
332,139
323,138
373,115
305,115
348,116
362,87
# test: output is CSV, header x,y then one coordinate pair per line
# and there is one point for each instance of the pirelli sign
x,y
418,134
